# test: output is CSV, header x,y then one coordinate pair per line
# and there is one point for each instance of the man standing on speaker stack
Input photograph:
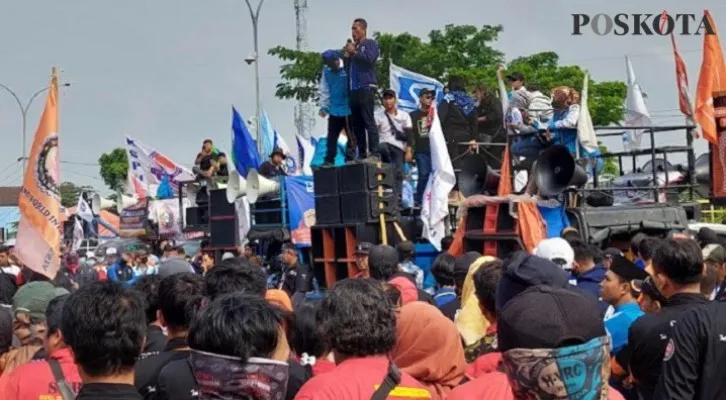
x,y
272,168
360,56
395,128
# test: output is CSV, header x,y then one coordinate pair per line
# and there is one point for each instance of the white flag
x,y
305,150
147,168
243,219
504,98
291,165
636,113
407,84
585,130
83,210
77,234
435,204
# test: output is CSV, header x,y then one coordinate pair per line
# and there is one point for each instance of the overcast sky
x,y
167,71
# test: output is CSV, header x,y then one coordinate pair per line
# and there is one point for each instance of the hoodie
x,y
574,372
333,89
590,282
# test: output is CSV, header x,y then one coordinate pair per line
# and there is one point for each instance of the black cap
x,y
612,252
626,270
426,91
406,247
363,248
279,152
462,265
389,93
515,76
523,271
545,317
647,287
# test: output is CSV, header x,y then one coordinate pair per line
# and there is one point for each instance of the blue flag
x,y
244,148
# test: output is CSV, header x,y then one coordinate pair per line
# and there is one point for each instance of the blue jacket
x,y
333,92
617,326
112,274
563,126
362,66
590,282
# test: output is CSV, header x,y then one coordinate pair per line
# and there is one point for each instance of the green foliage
x,y
610,165
70,193
463,50
114,167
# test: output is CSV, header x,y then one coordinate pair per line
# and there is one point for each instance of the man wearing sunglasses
x,y
419,146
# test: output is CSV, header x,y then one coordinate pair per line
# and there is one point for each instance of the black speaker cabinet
x,y
364,207
266,212
326,181
363,177
327,210
197,217
505,223
218,204
223,232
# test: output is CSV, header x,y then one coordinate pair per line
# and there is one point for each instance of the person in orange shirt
x,y
37,379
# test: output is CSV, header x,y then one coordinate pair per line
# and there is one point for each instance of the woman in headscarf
x,y
469,321
428,347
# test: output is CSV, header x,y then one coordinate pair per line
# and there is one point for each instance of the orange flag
x,y
38,239
684,98
505,175
711,80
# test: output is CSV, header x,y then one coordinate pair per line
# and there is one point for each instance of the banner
x,y
166,215
132,222
301,208
147,168
39,230
407,84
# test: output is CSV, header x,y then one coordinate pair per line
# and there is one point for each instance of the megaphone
x,y
98,203
123,202
557,170
703,175
258,186
477,177
236,186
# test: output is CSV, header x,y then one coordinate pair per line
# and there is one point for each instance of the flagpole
x,y
255,16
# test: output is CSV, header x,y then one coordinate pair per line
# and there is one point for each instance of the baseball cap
x,y
406,248
363,248
425,91
33,298
714,253
515,76
612,252
389,93
523,271
227,256
546,317
647,287
627,270
556,250
111,251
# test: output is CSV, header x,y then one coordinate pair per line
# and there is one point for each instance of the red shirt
x,y
34,380
358,379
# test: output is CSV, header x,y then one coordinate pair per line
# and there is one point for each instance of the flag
x,y
77,234
268,136
290,163
147,168
306,150
39,231
83,210
504,98
636,113
585,130
435,207
244,149
407,84
712,79
684,98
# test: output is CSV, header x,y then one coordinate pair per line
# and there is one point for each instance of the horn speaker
x,y
557,171
236,186
258,186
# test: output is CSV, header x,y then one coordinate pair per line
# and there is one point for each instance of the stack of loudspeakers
x,y
198,217
348,207
222,221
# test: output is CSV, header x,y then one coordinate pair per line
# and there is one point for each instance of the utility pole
x,y
303,120
255,15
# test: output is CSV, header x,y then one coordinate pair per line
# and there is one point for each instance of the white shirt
x,y
13,270
402,121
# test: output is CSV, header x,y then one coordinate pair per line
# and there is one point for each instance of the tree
x,y
70,193
463,50
114,167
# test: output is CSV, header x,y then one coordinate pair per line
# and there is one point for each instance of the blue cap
x,y
330,55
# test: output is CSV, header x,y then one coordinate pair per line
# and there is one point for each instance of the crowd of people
x,y
566,321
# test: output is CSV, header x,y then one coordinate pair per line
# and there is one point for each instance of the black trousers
x,y
361,106
335,125
393,155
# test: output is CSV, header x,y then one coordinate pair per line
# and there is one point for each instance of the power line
x,y
14,163
81,174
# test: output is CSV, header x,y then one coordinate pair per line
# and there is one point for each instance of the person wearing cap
x,y
394,128
419,144
334,104
617,291
677,270
714,256
273,167
361,259
609,255
558,251
649,298
540,331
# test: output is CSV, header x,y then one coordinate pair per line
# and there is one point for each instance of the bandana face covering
x,y
577,372
227,378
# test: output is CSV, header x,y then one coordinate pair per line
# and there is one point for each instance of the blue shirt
x,y
444,296
618,324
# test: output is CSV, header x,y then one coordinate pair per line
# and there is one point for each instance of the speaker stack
x,y
222,221
349,202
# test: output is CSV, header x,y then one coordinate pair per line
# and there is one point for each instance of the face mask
x,y
222,377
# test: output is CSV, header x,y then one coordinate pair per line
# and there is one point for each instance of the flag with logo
x,y
290,163
39,230
407,84
711,80
245,155
83,210
636,112
435,204
77,234
306,151
147,168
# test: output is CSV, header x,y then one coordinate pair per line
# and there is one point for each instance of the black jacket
x,y
297,279
156,341
148,368
648,338
457,127
108,391
269,170
694,365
